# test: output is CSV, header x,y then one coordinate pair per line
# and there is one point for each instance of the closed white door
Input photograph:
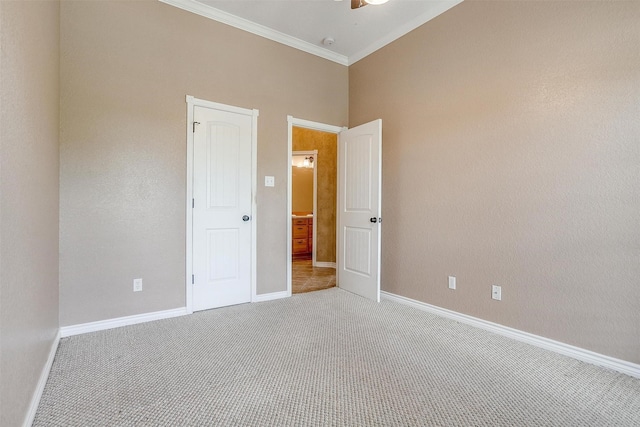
x,y
359,209
221,208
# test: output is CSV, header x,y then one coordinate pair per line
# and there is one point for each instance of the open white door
x,y
359,209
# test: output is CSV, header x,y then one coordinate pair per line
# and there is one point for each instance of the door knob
x,y
245,218
373,219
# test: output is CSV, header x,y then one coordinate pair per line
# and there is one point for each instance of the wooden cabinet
x,y
302,235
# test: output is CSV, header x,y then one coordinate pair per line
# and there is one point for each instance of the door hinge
x,y
193,279
193,203
194,126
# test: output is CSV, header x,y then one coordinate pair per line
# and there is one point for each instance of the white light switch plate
x,y
269,181
452,282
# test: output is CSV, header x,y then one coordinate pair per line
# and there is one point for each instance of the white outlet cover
x,y
269,181
137,285
496,292
452,282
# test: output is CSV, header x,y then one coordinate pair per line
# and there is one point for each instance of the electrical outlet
x,y
269,181
496,292
452,282
137,285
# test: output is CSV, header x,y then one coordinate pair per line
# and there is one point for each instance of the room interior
x,y
510,157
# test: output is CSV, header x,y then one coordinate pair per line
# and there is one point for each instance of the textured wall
x,y
125,70
327,144
512,156
301,190
29,83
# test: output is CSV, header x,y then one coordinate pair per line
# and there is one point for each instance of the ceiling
x,y
304,24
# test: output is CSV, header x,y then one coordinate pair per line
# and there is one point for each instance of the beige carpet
x,y
324,358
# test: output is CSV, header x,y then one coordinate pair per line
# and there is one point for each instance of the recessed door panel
x,y
223,165
357,250
223,254
357,195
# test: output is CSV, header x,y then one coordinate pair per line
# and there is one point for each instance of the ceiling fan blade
x,y
355,4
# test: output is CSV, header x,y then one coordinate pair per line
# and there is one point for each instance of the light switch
x,y
269,181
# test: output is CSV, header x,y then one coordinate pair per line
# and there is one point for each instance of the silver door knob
x,y
245,218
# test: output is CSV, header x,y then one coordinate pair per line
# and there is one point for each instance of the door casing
x,y
191,103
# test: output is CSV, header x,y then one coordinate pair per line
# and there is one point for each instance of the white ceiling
x,y
304,24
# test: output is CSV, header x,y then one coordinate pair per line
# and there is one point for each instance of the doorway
x,y
312,206
304,199
358,205
306,217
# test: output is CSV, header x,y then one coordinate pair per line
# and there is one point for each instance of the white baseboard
x,y
578,353
271,296
325,264
101,325
42,381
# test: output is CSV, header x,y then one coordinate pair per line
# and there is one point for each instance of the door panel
x,y
357,248
357,171
359,200
223,254
222,196
223,165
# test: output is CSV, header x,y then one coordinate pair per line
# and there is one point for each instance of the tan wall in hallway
x,y
29,120
301,189
512,156
327,144
125,70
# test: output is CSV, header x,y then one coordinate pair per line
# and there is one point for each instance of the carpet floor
x,y
325,358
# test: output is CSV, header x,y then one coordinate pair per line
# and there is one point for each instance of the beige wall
x,y
512,156
29,83
327,144
301,190
125,70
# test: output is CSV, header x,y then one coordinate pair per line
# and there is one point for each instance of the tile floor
x,y
306,278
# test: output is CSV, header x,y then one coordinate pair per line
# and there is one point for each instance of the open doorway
x,y
304,199
306,217
312,205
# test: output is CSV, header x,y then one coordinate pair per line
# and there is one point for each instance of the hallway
x,y
306,278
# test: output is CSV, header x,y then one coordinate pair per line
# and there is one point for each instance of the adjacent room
x,y
506,245
313,209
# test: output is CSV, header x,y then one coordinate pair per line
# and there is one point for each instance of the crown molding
x,y
439,8
257,29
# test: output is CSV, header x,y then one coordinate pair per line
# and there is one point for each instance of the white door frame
x,y
313,153
307,124
191,103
